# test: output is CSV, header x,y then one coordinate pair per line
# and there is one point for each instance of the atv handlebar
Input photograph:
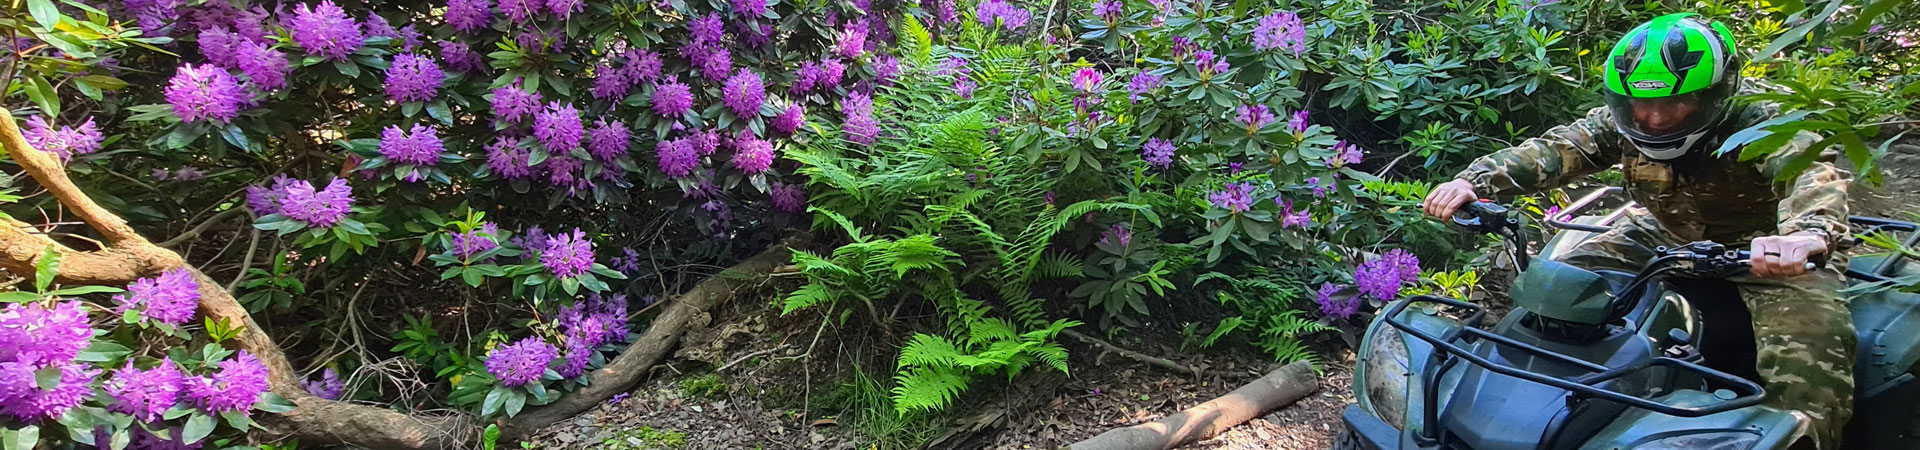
x,y
1747,392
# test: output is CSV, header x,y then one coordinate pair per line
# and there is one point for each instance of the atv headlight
x,y
1726,440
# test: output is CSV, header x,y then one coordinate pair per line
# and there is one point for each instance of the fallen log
x,y
1278,388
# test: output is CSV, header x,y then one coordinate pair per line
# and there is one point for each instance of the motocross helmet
x,y
1670,83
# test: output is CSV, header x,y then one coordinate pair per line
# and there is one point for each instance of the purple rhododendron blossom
x,y
853,40
1336,307
325,30
1118,235
608,140
672,99
1087,79
1298,123
317,208
217,45
744,92
468,16
145,394
462,58
265,199
831,73
1319,189
521,363
1143,83
1110,10
563,171
1209,64
468,244
707,29
610,81
568,255
885,68
1346,153
1290,218
1003,14
328,386
714,63
677,157
21,395
413,78
559,127
789,198
628,263
705,142
170,298
565,8
506,159
519,11
752,155
859,125
805,77
1183,46
512,103
1281,30
1253,117
266,69
643,65
65,142
790,119
205,92
234,388
420,146
1158,152
1382,277
1234,197
749,8
37,335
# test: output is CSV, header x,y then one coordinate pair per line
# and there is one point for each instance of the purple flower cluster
x,y
145,394
1281,30
707,52
1298,123
1209,64
1319,189
513,102
559,127
325,30
506,159
420,146
1118,235
521,363
1183,46
790,119
744,92
153,15
564,9
234,388
461,58
789,198
752,155
945,13
586,325
1345,153
264,200
677,157
1087,79
66,141
468,244
628,262
1158,152
749,8
672,98
1234,197
608,140
205,92
22,397
1143,83
469,16
1336,307
1253,117
568,255
1382,277
1291,218
519,11
413,78
38,335
169,298
266,69
885,68
859,125
317,208
1110,10
328,386
999,12
853,40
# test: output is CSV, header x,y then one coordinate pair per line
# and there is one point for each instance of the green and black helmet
x,y
1671,81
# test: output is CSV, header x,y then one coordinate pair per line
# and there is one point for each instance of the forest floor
x,y
791,383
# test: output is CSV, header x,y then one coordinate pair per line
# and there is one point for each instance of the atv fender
x,y
1757,427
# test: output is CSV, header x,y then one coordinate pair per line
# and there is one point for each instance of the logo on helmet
x,y
1651,84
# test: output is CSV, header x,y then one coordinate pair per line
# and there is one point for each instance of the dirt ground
x,y
774,372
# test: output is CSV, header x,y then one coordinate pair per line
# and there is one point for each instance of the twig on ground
x,y
739,360
1137,356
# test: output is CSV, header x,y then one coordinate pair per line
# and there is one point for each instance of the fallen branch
x,y
1137,356
1278,388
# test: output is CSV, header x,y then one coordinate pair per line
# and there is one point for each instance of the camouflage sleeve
x,y
1818,199
1564,153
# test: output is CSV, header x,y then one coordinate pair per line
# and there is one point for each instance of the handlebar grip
x,y
1816,261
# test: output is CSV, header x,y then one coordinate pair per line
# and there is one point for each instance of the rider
x,y
1669,89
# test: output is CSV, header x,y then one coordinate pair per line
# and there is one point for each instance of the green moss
x,y
647,438
704,386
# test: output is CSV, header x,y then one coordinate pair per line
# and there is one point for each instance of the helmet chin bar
x,y
1662,151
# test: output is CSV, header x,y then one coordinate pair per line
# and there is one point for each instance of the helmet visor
x,y
1666,118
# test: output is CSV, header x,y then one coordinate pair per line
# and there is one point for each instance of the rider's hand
x,y
1785,256
1447,197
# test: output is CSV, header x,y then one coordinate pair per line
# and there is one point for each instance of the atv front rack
x,y
1586,386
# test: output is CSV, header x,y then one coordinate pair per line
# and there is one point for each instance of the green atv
x,y
1661,359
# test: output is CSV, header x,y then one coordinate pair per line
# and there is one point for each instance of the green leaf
x,y
347,68
495,400
84,290
198,427
42,94
18,297
238,420
103,351
46,268
44,12
22,439
1798,33
515,402
273,403
491,436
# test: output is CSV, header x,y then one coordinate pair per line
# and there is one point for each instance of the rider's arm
x,y
1817,201
1562,154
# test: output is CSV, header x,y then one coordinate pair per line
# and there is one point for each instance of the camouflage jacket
x,y
1721,199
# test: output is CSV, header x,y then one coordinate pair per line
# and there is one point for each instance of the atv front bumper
x,y
1370,433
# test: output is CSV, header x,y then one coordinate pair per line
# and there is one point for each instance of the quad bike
x,y
1660,359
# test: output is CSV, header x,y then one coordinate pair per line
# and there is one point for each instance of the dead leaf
x,y
825,423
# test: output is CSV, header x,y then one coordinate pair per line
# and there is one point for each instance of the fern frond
x,y
925,389
989,330
916,40
815,265
1053,354
853,231
1287,350
1059,265
808,296
926,350
1227,325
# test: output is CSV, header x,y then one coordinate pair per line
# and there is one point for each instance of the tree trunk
x,y
1278,388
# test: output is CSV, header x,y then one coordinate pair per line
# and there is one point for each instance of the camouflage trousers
x,y
1803,330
